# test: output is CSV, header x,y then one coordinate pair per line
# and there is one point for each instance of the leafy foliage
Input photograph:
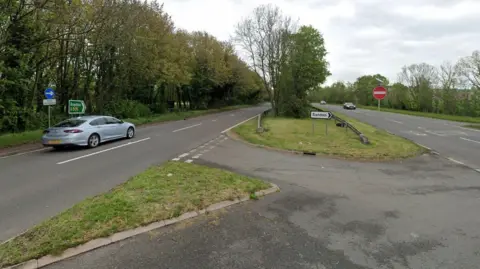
x,y
125,58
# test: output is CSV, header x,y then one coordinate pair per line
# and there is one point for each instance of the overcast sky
x,y
362,36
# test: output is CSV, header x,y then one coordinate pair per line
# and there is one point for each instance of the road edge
x,y
120,236
37,146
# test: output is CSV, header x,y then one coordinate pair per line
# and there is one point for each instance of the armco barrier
x,y
260,128
345,124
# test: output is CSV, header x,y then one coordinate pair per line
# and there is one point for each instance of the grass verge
x,y
16,139
296,134
159,193
427,115
472,126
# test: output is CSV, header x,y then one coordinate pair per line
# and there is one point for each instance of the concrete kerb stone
x,y
101,242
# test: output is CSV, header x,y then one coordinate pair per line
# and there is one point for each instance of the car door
x,y
101,127
115,127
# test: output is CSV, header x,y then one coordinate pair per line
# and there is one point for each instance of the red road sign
x,y
379,93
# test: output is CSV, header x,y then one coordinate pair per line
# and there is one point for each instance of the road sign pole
x,y
326,128
378,104
48,116
313,126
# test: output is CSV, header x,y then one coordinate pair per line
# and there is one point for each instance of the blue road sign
x,y
49,93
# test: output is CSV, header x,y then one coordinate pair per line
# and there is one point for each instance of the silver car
x,y
87,131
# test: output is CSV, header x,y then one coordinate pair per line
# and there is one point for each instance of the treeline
x,y
452,89
123,58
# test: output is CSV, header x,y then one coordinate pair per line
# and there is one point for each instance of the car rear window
x,y
70,123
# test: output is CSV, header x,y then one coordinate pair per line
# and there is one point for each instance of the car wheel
x,y
130,133
93,141
58,147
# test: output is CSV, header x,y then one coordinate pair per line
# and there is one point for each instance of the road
x,y
40,184
329,214
448,138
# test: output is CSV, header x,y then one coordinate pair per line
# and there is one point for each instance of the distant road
x,y
40,184
448,138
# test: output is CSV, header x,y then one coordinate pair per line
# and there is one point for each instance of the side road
x,y
330,214
448,138
41,184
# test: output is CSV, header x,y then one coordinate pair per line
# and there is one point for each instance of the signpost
x,y
379,93
320,115
76,107
49,101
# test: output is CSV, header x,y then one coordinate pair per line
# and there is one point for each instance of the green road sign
x,y
76,107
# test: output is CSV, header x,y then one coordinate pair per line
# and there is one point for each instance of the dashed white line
x,y
202,146
176,159
466,139
214,120
396,121
105,150
188,127
183,155
189,161
193,150
197,156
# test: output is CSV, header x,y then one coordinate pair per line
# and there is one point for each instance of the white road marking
x,y
176,159
230,128
202,146
193,150
189,161
23,153
478,170
188,127
212,147
465,128
396,121
474,141
424,146
197,156
433,133
214,120
455,161
105,150
183,155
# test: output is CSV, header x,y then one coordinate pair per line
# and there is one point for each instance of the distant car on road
x,y
323,103
349,106
87,131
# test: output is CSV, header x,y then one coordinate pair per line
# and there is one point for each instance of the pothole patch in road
x,y
197,152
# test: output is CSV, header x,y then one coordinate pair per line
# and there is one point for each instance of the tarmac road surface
x,y
40,184
450,139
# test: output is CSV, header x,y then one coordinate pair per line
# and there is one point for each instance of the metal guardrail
x,y
346,125
260,128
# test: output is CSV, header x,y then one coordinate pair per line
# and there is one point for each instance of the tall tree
x,y
264,35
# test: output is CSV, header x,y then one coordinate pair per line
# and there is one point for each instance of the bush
x,y
128,109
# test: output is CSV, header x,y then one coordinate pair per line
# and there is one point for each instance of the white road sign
x,y
49,102
320,115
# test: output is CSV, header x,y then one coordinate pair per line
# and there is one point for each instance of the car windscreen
x,y
70,123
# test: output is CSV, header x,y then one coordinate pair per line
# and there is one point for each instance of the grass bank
x,y
296,134
16,139
472,126
159,193
426,114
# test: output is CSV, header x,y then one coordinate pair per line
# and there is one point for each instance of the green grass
x,y
296,134
472,126
426,114
16,139
159,193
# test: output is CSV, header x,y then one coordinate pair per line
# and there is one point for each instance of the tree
x,y
124,58
264,36
304,69
420,80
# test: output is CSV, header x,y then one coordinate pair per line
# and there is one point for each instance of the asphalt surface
x,y
40,184
419,213
448,138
